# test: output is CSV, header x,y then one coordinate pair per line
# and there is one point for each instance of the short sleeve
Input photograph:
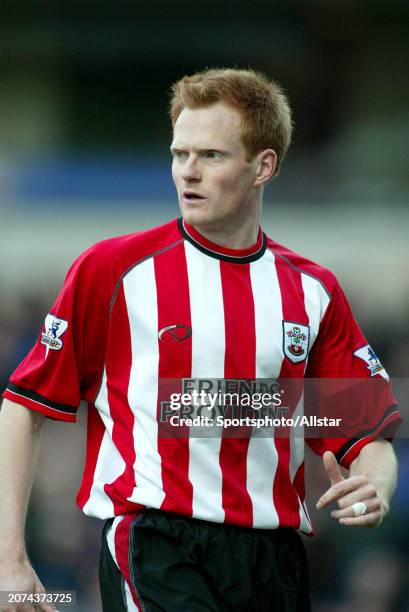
x,y
66,362
342,353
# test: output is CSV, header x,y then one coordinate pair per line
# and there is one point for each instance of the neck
x,y
238,234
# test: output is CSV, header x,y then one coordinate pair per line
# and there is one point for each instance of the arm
x,y
373,476
377,461
20,432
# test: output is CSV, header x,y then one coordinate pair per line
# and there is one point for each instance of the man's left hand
x,y
349,491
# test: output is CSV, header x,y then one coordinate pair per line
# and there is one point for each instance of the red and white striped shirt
x,y
101,343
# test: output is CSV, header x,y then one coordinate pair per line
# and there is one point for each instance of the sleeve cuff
x,y
34,401
386,428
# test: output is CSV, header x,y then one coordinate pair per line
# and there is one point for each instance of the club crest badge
x,y
296,339
367,354
54,329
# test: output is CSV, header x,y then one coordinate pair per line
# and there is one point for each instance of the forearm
x,y
377,461
20,432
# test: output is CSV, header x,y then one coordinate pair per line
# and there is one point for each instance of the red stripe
x,y
95,434
284,491
118,369
175,361
240,362
122,535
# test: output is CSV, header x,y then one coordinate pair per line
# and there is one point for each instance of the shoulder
x,y
114,256
131,247
298,263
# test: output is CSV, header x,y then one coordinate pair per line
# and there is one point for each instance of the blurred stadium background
x,y
84,140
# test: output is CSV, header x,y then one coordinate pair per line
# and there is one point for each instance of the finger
x,y
332,468
373,519
19,608
43,606
46,607
340,489
362,494
372,505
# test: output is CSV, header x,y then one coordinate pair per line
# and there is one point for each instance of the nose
x,y
190,170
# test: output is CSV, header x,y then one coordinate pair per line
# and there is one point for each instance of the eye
x,y
180,155
212,155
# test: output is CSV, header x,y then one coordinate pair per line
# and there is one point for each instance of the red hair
x,y
262,104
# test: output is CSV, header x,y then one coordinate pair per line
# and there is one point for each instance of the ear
x,y
266,166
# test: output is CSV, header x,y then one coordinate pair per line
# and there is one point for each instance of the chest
x,y
206,317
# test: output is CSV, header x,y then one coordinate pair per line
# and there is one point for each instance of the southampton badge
x,y
296,338
367,354
54,329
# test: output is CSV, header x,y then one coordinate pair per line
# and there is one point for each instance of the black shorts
x,y
177,564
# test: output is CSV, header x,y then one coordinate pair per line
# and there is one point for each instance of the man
x,y
198,523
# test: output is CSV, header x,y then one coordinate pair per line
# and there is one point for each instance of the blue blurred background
x,y
84,154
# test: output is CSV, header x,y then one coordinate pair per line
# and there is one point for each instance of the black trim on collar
x,y
230,258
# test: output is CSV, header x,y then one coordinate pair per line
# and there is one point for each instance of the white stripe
x,y
316,302
111,537
262,456
297,446
110,465
131,607
141,298
208,349
269,316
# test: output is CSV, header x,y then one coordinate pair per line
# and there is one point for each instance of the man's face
x,y
214,180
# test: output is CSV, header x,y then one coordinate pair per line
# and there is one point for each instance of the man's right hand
x,y
20,576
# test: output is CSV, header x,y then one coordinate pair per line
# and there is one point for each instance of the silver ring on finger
x,y
359,508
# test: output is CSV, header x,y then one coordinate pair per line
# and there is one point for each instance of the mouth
x,y
193,197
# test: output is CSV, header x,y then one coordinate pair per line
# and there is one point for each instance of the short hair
x,y
264,108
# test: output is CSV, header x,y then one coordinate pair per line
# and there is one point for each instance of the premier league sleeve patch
x,y
54,329
367,354
296,339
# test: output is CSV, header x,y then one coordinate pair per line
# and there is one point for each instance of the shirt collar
x,y
212,249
